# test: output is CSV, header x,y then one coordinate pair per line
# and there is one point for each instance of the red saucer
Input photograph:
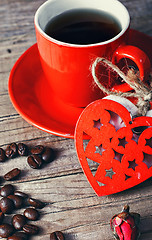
x,y
34,100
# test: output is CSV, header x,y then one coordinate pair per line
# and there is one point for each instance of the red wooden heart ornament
x,y
118,152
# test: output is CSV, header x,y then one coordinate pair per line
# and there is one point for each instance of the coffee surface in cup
x,y
83,26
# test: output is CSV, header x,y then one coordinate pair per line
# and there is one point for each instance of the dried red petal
x,y
124,225
118,221
127,229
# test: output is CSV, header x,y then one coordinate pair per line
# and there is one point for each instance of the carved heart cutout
x,y
116,156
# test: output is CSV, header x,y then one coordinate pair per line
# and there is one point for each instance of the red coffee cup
x,y
67,66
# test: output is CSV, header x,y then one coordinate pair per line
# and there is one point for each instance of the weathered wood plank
x,y
73,207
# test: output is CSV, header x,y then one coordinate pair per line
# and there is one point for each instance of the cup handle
x,y
136,55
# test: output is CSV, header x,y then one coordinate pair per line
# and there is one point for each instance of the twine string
x,y
141,91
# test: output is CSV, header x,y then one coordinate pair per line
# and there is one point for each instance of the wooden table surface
x,y
72,207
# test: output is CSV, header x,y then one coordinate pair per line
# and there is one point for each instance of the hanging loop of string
x,y
141,91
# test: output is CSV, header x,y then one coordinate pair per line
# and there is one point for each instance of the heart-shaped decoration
x,y
118,152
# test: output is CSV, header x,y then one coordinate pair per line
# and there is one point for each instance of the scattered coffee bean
x,y
6,190
47,155
2,155
56,236
18,221
6,230
35,203
13,174
31,214
23,235
20,194
1,217
37,149
14,199
22,149
11,150
18,201
6,205
31,229
34,161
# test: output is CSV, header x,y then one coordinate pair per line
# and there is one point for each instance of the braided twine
x,y
141,91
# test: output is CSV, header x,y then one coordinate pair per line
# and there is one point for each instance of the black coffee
x,y
83,26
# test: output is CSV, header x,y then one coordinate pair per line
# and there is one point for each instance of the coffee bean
x,y
31,214
56,236
13,174
18,201
31,229
18,221
22,149
23,235
11,150
2,155
6,230
20,194
34,161
48,155
35,203
6,205
37,149
1,217
6,190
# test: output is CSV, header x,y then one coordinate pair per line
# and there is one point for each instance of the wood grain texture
x,y
72,206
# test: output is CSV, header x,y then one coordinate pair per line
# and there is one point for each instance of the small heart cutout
x,y
118,152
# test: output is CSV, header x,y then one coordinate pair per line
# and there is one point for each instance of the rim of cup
x,y
118,10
